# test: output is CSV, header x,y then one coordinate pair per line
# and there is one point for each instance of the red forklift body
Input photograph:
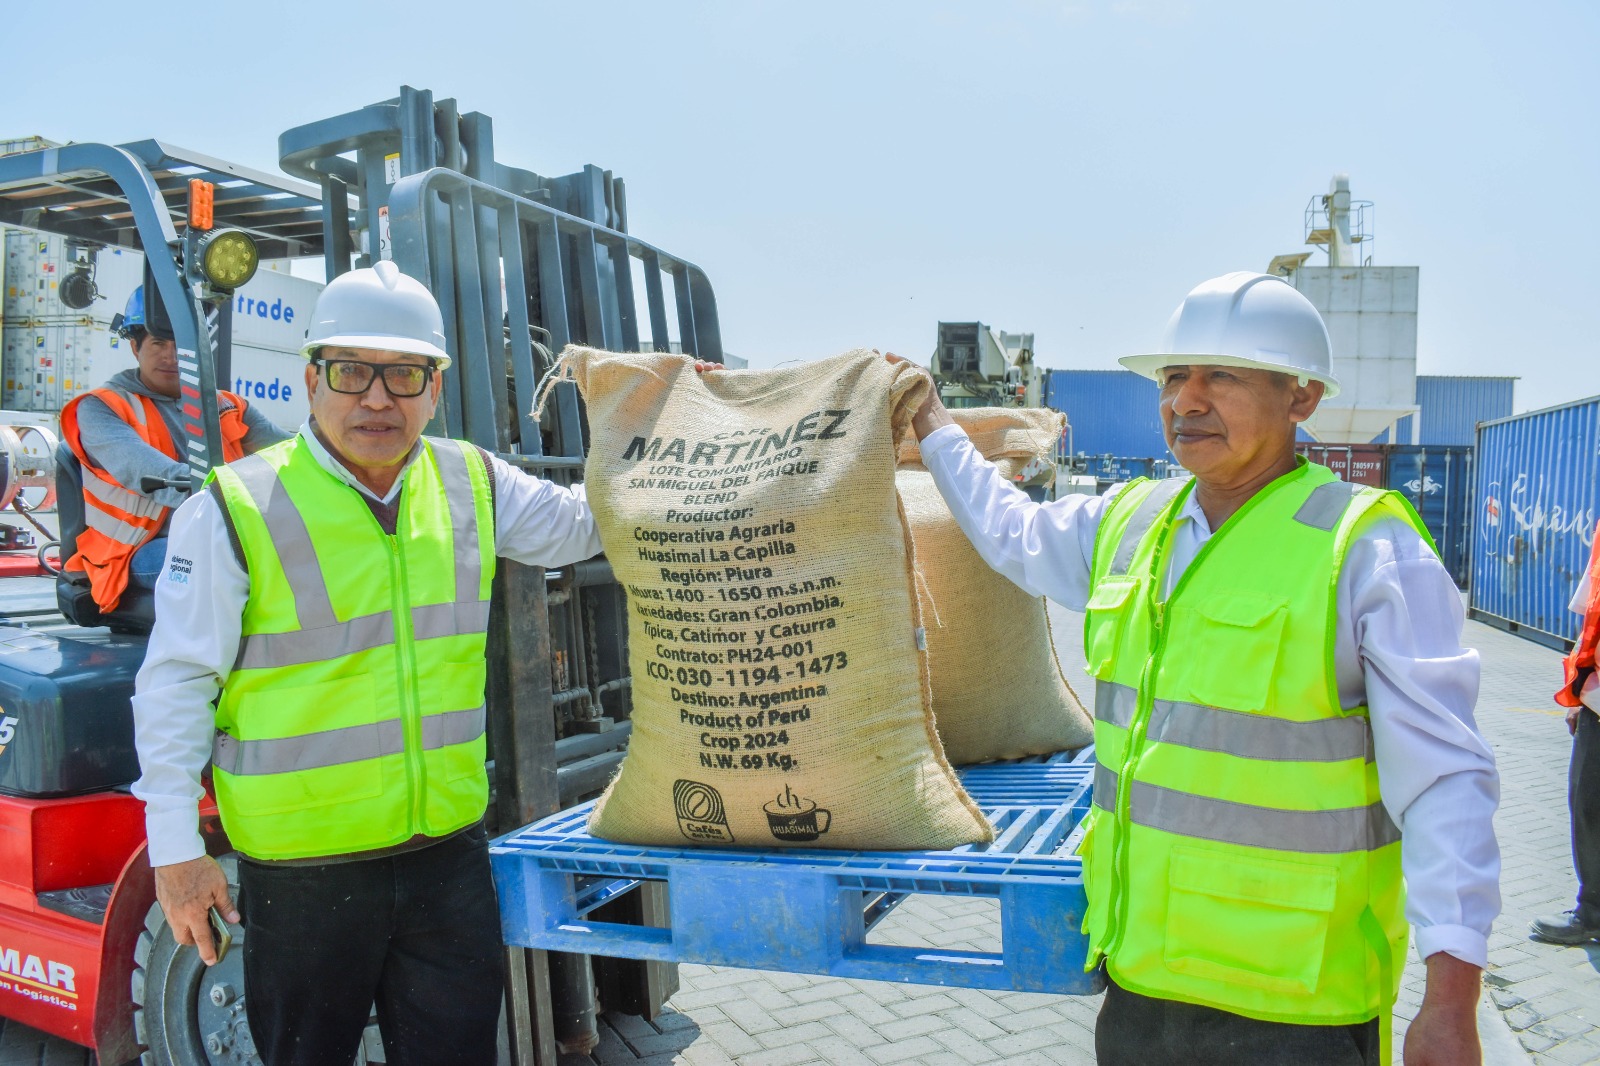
x,y
72,902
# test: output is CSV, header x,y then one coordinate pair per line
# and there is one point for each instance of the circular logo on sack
x,y
701,815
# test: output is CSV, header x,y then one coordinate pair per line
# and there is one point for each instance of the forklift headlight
x,y
228,258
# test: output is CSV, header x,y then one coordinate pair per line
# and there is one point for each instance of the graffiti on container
x,y
1520,518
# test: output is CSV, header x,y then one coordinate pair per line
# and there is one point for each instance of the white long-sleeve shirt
x,y
200,600
1398,651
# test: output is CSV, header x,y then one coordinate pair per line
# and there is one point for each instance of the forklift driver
x,y
335,588
127,430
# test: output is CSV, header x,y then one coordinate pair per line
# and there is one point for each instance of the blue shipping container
x,y
1452,407
1537,499
1109,412
1438,483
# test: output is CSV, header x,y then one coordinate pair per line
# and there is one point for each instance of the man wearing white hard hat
x,y
1283,716
331,595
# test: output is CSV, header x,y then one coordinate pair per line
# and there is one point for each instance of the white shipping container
x,y
45,366
35,264
273,311
50,353
272,381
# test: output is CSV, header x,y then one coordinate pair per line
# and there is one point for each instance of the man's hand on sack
x,y
932,414
186,892
1572,719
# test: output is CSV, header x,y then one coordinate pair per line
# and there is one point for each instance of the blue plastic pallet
x,y
808,910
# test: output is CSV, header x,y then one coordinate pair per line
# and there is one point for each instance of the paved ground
x,y
1548,998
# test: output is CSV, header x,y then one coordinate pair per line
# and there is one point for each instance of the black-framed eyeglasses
x,y
353,377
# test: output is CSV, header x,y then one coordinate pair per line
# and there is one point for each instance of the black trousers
x,y
416,933
1135,1030
1583,797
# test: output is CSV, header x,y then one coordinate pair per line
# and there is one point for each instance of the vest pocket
x,y
1258,922
1095,851
1105,619
1229,651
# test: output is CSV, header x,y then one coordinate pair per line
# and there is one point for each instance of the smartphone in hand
x,y
219,926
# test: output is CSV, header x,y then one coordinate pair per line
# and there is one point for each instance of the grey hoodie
x,y
117,447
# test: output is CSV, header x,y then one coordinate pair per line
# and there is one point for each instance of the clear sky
x,y
852,173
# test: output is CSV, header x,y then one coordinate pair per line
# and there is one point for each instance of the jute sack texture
x,y
780,697
998,689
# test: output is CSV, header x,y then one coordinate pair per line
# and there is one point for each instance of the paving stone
x,y
1024,1041
947,1058
866,1008
612,1048
664,1043
1506,998
806,1012
962,1043
905,1028
928,1004
1039,1016
904,1051
671,1019
1574,1053
1533,1042
855,1031
972,1024
818,992
794,1034
704,1052
730,1038
751,1017
787,1055
839,1051
1561,1028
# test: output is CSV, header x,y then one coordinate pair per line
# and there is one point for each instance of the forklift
x,y
522,265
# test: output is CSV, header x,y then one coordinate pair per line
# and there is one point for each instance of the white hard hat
x,y
1249,320
377,307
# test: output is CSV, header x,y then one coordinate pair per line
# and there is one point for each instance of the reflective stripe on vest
x,y
334,746
1250,736
1322,832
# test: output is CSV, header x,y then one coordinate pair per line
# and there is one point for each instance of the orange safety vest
x,y
119,519
1580,662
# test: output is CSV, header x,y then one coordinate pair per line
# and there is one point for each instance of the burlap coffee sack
x,y
998,689
780,696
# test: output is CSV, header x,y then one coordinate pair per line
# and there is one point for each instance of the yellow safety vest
x,y
354,716
1238,855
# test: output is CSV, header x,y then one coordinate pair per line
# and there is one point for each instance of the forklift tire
x,y
186,1014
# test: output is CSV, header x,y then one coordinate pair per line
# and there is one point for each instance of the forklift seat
x,y
137,611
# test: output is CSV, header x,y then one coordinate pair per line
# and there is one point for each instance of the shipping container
x,y
1363,464
1109,412
1438,481
50,353
1536,501
1452,407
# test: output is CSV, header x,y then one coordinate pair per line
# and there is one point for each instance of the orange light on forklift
x,y
201,198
